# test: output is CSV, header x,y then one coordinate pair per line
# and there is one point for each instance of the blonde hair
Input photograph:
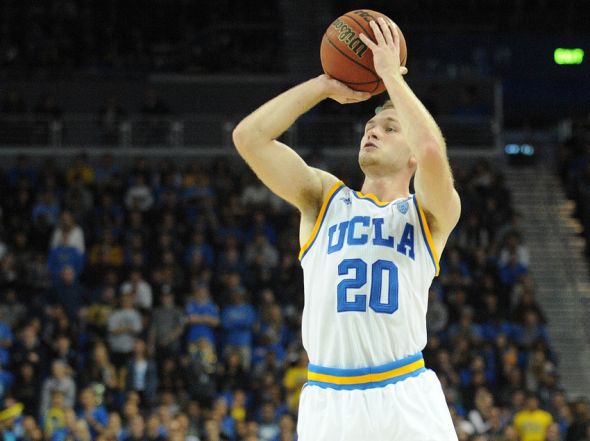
x,y
386,105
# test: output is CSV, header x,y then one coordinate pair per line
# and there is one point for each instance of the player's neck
x,y
386,188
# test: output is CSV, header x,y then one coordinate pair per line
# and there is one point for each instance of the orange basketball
x,y
346,58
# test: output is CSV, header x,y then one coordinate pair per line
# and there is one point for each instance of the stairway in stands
x,y
559,269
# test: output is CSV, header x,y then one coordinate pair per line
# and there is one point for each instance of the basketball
x,y
347,59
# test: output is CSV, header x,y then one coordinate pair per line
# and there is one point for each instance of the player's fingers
x,y
377,31
403,70
367,41
394,31
387,31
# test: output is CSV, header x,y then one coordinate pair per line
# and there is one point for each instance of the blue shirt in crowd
x,y
197,331
237,322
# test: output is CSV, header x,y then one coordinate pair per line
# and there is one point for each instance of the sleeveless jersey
x,y
367,266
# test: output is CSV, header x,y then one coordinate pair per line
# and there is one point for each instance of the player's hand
x,y
340,92
386,58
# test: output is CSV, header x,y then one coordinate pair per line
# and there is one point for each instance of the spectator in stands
x,y
46,210
26,387
273,334
78,198
95,415
231,374
54,420
124,326
532,330
140,290
64,265
80,171
237,321
199,245
513,245
105,172
139,196
61,349
60,380
294,379
68,234
532,423
6,340
481,416
511,271
101,371
268,425
167,327
202,317
69,293
142,376
579,428
260,247
107,253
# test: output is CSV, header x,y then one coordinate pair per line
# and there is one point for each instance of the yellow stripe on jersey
x,y
372,197
318,222
367,378
429,237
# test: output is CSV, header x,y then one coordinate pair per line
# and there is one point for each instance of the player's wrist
x,y
323,86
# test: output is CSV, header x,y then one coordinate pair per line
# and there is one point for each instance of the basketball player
x,y
368,257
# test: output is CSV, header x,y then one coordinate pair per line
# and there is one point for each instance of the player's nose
x,y
373,133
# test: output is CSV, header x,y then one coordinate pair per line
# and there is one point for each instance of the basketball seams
x,y
344,54
350,82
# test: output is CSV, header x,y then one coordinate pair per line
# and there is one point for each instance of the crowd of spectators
x,y
163,302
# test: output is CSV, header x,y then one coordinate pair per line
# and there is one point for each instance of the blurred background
x,y
149,284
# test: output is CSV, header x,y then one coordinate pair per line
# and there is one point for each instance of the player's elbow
x,y
243,137
239,137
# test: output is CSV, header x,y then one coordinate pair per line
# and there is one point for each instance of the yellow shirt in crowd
x,y
532,425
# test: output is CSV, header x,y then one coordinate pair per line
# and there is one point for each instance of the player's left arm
x,y
433,181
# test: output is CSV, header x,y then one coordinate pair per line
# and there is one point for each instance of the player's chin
x,y
366,159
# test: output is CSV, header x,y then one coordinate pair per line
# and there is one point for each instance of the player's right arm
x,y
279,167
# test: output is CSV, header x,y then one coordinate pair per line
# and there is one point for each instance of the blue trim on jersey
x,y
365,386
424,234
364,371
322,221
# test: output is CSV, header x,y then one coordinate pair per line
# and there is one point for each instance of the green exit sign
x,y
568,56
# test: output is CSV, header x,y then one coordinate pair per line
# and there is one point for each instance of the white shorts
x,y
413,409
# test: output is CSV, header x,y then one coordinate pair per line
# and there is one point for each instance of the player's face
x,y
383,144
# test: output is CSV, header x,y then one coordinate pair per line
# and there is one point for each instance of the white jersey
x,y
367,266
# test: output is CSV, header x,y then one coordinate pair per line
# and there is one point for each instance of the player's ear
x,y
412,162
